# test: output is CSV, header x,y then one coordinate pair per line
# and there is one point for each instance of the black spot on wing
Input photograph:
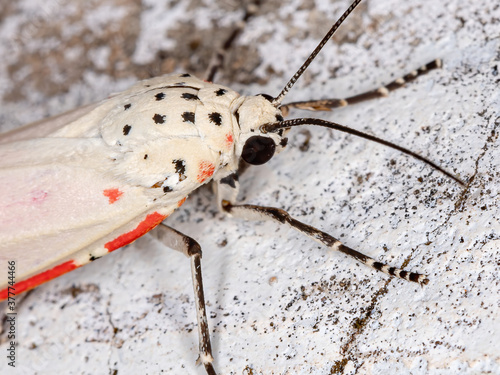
x,y
127,106
167,189
279,118
188,117
145,156
185,75
220,92
189,96
215,118
283,142
159,119
160,96
180,168
126,129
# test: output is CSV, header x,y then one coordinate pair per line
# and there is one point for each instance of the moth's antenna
x,y
275,126
277,100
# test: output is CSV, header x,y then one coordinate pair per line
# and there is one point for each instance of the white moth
x,y
83,184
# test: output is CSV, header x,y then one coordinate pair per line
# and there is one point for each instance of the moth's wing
x,y
90,186
82,121
43,128
59,202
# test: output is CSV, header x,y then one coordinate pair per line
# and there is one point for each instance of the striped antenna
x,y
275,126
277,100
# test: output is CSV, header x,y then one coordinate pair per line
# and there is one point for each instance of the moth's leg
x,y
328,104
219,55
251,212
226,190
189,247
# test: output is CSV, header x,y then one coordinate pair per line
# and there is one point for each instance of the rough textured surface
x,y
278,303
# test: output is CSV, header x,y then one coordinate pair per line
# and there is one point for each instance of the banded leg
x,y
251,212
328,104
189,247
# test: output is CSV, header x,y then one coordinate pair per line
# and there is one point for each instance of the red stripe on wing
x,y
181,202
41,278
151,221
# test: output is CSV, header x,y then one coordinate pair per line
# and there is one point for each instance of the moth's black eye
x,y
258,150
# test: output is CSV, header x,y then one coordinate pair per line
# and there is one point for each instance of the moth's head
x,y
256,146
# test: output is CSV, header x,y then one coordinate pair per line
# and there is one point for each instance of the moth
x,y
88,182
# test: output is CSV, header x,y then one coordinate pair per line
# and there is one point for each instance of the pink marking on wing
x,y
34,281
34,197
205,170
38,195
151,221
112,194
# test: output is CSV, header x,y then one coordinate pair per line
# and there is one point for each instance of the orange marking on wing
x,y
205,170
112,194
151,221
229,140
30,283
181,202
